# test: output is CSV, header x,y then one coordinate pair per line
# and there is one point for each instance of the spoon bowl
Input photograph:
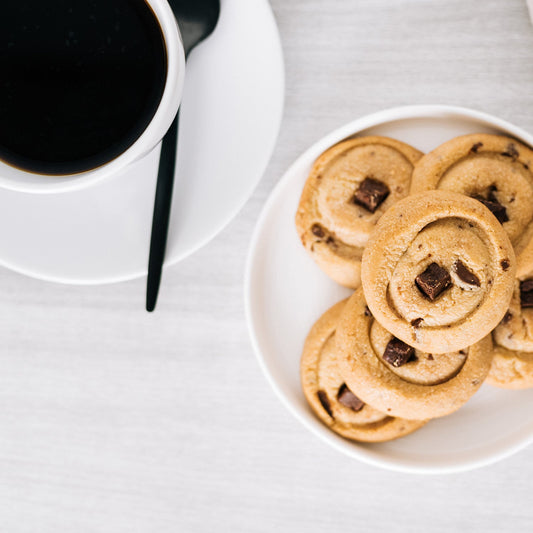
x,y
197,19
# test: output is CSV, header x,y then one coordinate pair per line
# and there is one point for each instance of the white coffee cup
x,y
20,180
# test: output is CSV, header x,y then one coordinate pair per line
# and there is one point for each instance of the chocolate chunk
x,y
492,198
507,317
324,400
416,322
511,151
433,281
465,274
526,293
476,147
371,194
505,264
347,398
397,353
430,357
497,209
317,231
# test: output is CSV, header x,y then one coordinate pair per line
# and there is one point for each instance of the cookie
x,y
333,402
398,379
438,271
496,170
512,364
350,186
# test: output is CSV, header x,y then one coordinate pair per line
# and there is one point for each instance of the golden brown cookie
x,y
438,271
398,379
512,365
332,401
495,169
350,186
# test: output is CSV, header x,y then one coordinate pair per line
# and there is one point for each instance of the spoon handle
x,y
161,218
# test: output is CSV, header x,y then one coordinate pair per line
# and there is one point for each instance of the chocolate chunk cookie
x,y
334,402
350,186
512,365
398,379
438,271
495,170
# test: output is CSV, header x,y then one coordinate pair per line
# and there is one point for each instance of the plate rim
x,y
346,447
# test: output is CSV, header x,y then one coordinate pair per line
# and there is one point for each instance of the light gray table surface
x,y
113,420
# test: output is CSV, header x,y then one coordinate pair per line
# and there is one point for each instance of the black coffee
x,y
80,80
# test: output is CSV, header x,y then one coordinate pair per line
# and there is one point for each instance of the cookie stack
x,y
439,251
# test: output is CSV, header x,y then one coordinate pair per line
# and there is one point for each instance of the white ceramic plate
x,y
231,113
286,292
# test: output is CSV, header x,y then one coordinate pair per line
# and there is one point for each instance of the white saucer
x,y
286,292
231,113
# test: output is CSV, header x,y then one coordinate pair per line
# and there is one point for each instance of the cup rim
x,y
23,181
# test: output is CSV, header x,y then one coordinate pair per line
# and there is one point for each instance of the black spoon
x,y
197,20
